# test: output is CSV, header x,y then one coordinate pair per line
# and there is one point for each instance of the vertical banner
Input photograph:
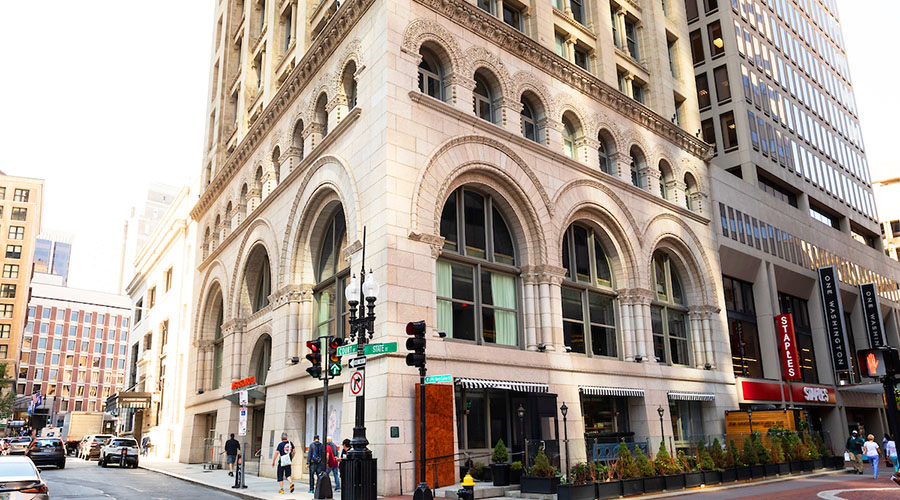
x,y
787,344
872,314
834,318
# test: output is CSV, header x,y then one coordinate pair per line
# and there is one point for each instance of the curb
x,y
742,485
234,491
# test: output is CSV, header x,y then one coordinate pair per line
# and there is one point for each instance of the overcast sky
x,y
101,98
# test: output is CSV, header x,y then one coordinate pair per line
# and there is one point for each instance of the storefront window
x,y
798,309
668,314
484,419
687,420
605,418
745,354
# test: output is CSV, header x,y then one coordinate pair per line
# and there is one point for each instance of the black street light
x,y
662,432
565,410
362,469
750,419
521,412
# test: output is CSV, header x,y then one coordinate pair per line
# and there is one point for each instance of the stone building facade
x,y
527,187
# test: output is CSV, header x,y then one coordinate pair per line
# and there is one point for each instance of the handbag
x,y
846,456
285,460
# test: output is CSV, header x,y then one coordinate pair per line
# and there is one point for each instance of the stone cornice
x,y
495,31
322,48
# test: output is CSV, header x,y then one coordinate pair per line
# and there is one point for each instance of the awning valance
x,y
691,396
478,383
593,390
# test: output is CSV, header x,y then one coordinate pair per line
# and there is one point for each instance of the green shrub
x,y
581,473
736,459
645,468
824,450
775,449
718,456
664,462
792,446
626,467
704,460
748,454
541,467
762,453
477,471
501,454
684,463
515,466
812,448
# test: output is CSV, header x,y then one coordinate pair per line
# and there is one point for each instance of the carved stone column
x,y
510,115
622,168
269,181
706,321
233,333
697,337
312,136
253,199
532,320
627,328
629,85
459,90
675,191
550,279
591,152
289,160
650,180
337,109
570,40
698,202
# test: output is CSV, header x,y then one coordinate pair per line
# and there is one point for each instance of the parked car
x,y
47,451
90,446
19,445
116,448
21,480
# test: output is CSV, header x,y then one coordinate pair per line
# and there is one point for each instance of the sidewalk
x,y
257,487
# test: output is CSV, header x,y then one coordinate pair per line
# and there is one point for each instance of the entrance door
x,y
256,434
541,428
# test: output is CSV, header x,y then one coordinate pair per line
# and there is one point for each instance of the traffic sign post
x,y
437,379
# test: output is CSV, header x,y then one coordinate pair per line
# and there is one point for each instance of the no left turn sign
x,y
357,383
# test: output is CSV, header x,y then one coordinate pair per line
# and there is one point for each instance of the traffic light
x,y
334,361
415,344
876,363
315,359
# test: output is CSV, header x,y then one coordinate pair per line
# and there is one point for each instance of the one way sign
x,y
357,362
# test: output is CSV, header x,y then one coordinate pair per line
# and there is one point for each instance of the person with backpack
x,y
314,458
331,452
231,450
283,456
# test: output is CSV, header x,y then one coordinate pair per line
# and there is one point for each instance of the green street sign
x,y
380,348
437,379
346,349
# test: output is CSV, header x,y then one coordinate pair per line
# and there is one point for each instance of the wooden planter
x,y
743,473
653,484
771,469
632,486
545,485
758,471
712,477
729,475
674,482
576,491
608,489
692,479
784,468
500,474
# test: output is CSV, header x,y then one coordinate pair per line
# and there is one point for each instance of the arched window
x,y
483,100
349,83
297,137
668,314
665,178
638,163
588,299
607,162
690,187
258,180
476,273
263,287
570,135
218,349
431,75
258,279
262,355
332,270
322,113
276,163
213,318
532,115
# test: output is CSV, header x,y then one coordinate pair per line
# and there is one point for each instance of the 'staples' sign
x,y
787,342
244,382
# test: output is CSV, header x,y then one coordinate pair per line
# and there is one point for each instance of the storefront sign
x,y
243,383
812,394
772,391
761,391
872,314
834,318
787,344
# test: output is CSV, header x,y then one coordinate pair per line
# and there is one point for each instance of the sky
x,y
102,98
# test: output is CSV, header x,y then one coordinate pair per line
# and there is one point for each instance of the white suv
x,y
117,448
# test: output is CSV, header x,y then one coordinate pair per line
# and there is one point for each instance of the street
x,y
839,486
86,481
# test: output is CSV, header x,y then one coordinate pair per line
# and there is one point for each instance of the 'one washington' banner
x,y
872,313
834,318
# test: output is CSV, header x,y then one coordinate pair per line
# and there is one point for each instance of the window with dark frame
x,y
723,90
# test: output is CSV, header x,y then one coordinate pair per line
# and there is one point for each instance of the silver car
x,y
120,451
18,445
20,480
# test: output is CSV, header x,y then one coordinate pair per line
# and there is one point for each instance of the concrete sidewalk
x,y
257,487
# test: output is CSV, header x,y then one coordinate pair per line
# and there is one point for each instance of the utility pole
x,y
416,344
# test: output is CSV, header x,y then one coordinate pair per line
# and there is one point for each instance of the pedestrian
x,y
284,453
871,449
890,451
314,458
342,466
331,453
145,445
854,449
231,450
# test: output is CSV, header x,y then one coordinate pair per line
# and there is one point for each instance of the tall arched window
x,y
569,136
218,343
665,177
262,355
331,277
638,163
476,273
322,113
605,160
257,282
588,299
431,75
529,127
690,187
482,99
297,137
263,287
668,314
349,83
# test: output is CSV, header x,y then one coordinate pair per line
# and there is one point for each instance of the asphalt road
x,y
841,486
86,481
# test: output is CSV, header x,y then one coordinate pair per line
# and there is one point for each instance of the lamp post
x,y
362,467
521,413
750,419
565,410
662,432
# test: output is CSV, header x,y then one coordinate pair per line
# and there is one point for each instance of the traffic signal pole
x,y
890,399
323,482
416,357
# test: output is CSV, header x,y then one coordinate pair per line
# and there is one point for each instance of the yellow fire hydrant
x,y
467,492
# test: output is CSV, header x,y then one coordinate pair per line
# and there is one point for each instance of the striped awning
x,y
478,383
593,390
691,396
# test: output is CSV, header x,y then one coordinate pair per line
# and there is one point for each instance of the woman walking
x,y
870,448
890,451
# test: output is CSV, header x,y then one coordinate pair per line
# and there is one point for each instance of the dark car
x,y
118,448
20,480
47,451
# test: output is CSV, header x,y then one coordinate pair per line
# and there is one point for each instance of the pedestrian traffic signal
x,y
876,363
334,361
315,359
416,344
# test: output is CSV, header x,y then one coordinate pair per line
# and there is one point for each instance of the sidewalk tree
x,y
7,395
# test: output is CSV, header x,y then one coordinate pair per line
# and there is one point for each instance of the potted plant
x,y
579,484
666,466
806,456
777,454
499,465
705,463
515,472
477,471
792,444
541,477
692,476
607,485
653,482
627,471
763,456
742,469
750,457
729,470
814,454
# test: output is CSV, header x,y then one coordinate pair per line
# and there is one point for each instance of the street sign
x,y
357,383
368,349
357,362
243,398
242,422
437,379
346,349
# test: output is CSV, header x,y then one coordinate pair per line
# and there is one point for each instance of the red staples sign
x,y
787,342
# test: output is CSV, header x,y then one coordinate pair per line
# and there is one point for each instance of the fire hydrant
x,y
467,492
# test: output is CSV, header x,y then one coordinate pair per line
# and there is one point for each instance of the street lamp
x,y
750,419
565,410
662,432
361,468
521,412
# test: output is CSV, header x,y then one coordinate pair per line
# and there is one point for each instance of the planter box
x,y
608,489
674,482
632,486
757,471
515,476
796,466
712,477
771,469
743,473
729,475
692,479
653,484
486,474
784,468
500,474
576,491
545,485
807,465
818,463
